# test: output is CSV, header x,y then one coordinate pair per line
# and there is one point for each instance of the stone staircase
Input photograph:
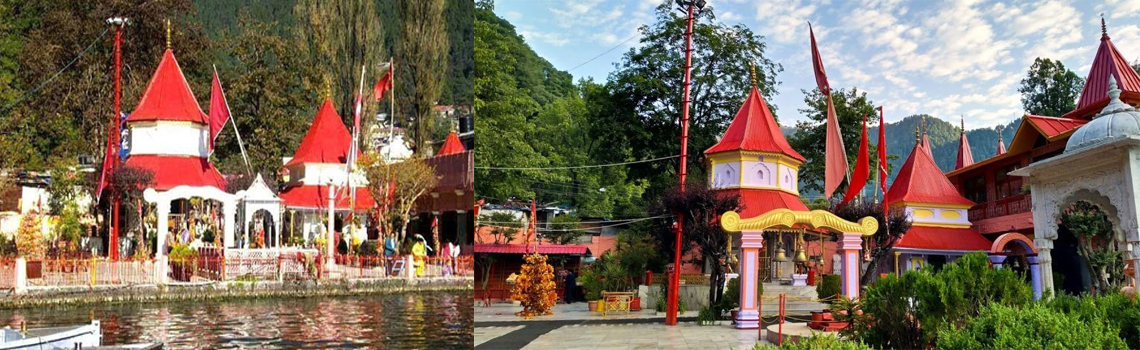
x,y
800,300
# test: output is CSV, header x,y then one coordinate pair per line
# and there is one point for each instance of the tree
x,y
1049,88
701,207
644,108
63,118
1095,243
423,61
850,107
129,183
411,178
271,95
563,229
883,241
338,38
534,287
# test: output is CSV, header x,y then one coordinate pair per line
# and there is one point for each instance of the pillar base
x,y
747,319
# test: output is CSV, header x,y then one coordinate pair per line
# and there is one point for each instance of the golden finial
x,y
916,134
328,88
1103,28
168,34
752,67
963,118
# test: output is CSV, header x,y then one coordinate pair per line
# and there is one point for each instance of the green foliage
x,y
1095,243
563,229
504,227
182,253
908,311
68,227
701,208
1029,327
889,232
817,341
851,105
829,288
1116,310
707,316
1049,88
730,300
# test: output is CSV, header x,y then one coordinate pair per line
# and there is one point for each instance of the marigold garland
x,y
534,287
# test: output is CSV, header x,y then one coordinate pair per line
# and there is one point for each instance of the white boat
x,y
53,338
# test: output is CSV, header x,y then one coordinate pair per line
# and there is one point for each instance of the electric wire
x,y
606,52
578,166
65,67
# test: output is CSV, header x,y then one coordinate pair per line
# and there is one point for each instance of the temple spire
x,y
752,68
1103,28
1001,143
965,155
916,138
168,34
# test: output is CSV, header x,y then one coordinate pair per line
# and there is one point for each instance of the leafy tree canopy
x,y
1049,88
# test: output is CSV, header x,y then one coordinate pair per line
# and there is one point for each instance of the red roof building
x,y
451,145
1108,62
755,161
920,181
321,160
169,132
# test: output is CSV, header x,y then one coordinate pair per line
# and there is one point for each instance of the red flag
x,y
219,110
862,168
883,161
835,155
384,85
817,66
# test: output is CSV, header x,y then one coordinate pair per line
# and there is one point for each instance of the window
x,y
975,189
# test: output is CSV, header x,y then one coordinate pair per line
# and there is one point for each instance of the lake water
x,y
397,321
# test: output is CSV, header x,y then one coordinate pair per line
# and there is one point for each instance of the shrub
x,y
29,241
818,341
908,311
182,253
730,300
534,287
1118,311
1029,327
707,316
829,288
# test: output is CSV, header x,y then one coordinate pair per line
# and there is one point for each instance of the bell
x,y
801,256
780,256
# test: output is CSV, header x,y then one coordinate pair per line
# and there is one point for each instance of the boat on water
x,y
52,338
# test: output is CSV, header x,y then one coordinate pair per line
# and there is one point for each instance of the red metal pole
x,y
780,330
674,280
116,130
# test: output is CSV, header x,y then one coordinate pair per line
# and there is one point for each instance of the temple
x,y
449,204
317,169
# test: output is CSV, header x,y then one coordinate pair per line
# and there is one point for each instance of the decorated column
x,y
849,245
749,315
997,260
163,225
229,207
1035,275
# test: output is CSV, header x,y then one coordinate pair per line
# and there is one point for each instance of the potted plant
x,y
30,244
592,300
182,262
591,282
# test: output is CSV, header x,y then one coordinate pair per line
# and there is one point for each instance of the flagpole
x,y
391,126
241,146
355,147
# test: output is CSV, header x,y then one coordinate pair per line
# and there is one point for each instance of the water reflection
x,y
404,321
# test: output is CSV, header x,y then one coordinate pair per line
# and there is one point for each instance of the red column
x,y
116,130
674,281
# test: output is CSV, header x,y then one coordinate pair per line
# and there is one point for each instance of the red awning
x,y
171,171
317,197
556,249
943,238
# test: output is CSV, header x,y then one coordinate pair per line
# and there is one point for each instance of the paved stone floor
x,y
634,334
505,312
685,335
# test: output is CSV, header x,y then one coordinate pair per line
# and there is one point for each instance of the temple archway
x,y
752,230
1017,252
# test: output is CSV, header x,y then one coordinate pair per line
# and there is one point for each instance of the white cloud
x,y
512,15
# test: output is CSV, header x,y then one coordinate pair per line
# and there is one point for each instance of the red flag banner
x,y
862,168
835,155
383,85
817,66
219,111
883,161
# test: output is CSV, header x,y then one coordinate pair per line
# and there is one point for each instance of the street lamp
x,y
691,8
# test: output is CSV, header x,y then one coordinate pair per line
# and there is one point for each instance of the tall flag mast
x,y
835,155
111,156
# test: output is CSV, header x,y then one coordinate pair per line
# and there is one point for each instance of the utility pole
x,y
689,6
114,132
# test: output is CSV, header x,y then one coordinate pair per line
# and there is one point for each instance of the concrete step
x,y
773,289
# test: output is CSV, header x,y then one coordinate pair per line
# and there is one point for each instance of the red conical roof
x,y
168,96
921,181
754,129
1001,146
965,157
451,146
926,144
1108,62
327,140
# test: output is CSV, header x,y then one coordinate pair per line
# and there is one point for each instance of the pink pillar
x,y
849,246
749,315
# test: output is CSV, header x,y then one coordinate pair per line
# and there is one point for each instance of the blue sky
x,y
945,58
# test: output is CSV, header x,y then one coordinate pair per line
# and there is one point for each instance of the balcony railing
x,y
1006,206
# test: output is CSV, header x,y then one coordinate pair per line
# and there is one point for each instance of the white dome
x,y
1116,120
